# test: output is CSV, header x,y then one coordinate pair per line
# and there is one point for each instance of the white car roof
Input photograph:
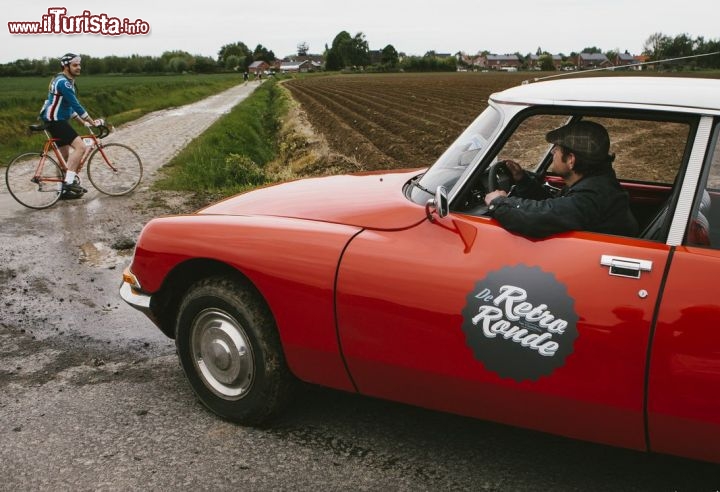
x,y
686,94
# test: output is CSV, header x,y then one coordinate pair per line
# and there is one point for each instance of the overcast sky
x,y
412,27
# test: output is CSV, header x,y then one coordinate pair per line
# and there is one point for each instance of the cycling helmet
x,y
67,58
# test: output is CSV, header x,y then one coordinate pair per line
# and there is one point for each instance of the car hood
x,y
372,200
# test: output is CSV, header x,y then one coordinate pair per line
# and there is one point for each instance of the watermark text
x,y
57,21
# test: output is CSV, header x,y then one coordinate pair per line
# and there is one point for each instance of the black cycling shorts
x,y
61,130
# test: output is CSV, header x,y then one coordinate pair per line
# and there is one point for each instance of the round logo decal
x,y
520,322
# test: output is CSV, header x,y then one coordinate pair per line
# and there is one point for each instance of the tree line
x,y
659,46
348,52
231,57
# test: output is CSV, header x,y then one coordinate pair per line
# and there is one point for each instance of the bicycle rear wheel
x,y
114,169
33,184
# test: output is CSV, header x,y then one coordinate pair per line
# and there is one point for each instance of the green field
x,y
116,98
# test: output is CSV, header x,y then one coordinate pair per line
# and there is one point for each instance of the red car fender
x,y
291,262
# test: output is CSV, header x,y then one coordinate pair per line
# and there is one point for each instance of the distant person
x,y
245,76
61,105
592,199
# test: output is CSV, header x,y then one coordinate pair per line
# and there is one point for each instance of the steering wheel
x,y
499,177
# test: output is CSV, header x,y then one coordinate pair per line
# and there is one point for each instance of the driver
x,y
592,199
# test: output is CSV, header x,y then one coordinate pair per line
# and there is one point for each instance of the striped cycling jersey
x,y
62,102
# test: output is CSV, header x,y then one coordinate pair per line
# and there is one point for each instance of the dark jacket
x,y
596,203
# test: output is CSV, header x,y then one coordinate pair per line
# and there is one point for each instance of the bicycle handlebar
x,y
103,131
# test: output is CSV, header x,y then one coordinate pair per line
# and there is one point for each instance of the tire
x,y
124,175
230,351
38,193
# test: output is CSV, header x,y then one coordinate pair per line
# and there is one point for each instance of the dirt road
x,y
62,323
58,263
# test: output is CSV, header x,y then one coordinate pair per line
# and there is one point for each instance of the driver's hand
x,y
515,169
493,195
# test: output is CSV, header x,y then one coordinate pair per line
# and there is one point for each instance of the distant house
x,y
478,62
313,58
625,60
296,66
534,61
472,62
502,62
258,67
640,59
592,60
314,62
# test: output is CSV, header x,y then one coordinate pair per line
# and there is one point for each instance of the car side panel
x,y
684,383
291,262
403,304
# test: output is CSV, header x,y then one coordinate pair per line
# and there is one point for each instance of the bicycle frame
x,y
117,169
51,143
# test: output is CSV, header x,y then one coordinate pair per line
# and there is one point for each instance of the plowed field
x,y
396,120
385,121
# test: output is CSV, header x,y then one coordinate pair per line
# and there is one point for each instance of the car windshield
x,y
457,158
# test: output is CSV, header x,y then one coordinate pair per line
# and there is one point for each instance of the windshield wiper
x,y
415,183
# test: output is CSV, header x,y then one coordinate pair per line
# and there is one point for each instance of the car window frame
x,y
711,153
692,120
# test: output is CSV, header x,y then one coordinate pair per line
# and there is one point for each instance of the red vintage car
x,y
399,285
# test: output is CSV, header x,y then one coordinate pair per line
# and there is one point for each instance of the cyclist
x,y
61,105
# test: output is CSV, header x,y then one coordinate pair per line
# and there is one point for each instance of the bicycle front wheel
x,y
34,180
114,169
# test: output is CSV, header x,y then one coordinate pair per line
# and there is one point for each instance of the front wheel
x,y
231,353
114,169
34,180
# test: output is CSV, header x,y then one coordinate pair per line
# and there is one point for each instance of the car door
x,y
462,316
684,375
458,314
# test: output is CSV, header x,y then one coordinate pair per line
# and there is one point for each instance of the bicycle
x,y
35,179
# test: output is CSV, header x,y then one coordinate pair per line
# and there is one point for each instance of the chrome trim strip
x,y
689,184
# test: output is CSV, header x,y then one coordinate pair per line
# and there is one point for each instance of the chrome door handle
x,y
625,267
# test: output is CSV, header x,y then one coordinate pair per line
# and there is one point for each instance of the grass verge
x,y
266,138
233,154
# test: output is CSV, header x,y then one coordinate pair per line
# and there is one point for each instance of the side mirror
x,y
439,205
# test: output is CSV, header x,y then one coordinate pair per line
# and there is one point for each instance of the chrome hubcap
x,y
222,354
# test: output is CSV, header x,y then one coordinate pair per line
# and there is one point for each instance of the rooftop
x,y
689,94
